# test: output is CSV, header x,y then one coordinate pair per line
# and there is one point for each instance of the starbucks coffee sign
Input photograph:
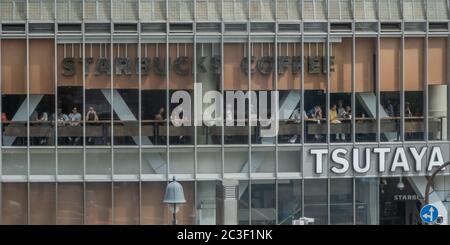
x,y
182,65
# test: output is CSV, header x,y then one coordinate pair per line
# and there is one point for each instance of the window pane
x,y
341,201
365,90
209,70
289,201
437,88
366,201
390,106
263,202
316,200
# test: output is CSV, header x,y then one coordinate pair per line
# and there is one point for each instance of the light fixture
x,y
400,184
174,195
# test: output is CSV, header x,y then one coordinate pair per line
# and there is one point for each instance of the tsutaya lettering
x,y
182,65
359,160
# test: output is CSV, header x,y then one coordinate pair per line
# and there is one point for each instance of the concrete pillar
x,y
227,202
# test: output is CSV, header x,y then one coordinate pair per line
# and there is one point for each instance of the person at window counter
x,y
389,108
297,117
159,117
74,120
43,119
91,116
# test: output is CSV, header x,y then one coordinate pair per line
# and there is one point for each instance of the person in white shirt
x,y
297,117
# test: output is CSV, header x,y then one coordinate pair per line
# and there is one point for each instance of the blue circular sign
x,y
429,213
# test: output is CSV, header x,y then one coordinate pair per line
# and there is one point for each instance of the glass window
x,y
289,159
206,202
154,112
289,201
69,114
125,94
70,161
209,71
209,161
341,201
42,162
244,204
126,161
390,106
414,124
186,211
14,162
236,68
181,161
365,90
14,89
263,211
154,162
315,93
289,93
42,90
236,161
263,160
181,85
367,201
99,95
437,88
316,200
98,161
340,109
262,84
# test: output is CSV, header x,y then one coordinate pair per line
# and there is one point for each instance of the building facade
x,y
90,87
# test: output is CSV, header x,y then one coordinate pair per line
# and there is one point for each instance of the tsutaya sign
x,y
375,160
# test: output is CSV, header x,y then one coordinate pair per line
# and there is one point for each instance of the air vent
x,y
208,27
153,28
366,27
236,28
438,27
390,27
341,27
291,28
125,28
69,28
13,28
42,28
98,28
180,28
230,192
262,27
315,27
414,27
